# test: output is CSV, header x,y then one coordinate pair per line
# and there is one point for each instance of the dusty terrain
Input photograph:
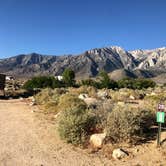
x,y
27,140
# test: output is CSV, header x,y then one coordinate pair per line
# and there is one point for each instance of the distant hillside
x,y
138,63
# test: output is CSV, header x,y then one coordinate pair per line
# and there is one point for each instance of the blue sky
x,y
57,27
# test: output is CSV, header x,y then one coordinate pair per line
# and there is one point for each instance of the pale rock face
x,y
97,140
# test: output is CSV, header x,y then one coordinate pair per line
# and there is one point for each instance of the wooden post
x,y
159,135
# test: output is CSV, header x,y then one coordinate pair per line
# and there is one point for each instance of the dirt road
x,y
27,141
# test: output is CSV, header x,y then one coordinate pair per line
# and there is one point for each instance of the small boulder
x,y
97,140
21,98
132,97
83,96
91,101
32,103
119,153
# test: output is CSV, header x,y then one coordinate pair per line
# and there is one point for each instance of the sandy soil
x,y
26,139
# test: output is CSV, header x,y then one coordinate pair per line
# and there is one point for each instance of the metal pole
x,y
159,135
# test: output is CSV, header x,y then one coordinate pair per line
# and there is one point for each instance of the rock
x,y
97,140
33,99
132,97
57,115
21,98
119,153
32,103
153,94
91,101
83,96
136,150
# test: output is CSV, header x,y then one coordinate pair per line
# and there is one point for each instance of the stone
x,y
32,103
132,97
83,96
97,140
21,98
91,101
119,153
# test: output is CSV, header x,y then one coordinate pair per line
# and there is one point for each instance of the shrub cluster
x,y
129,83
42,82
136,83
127,123
76,124
49,99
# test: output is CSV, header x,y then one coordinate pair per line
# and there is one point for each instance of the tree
x,y
106,82
69,77
104,79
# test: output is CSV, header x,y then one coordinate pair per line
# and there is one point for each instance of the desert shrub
x,y
119,95
50,107
90,90
44,96
49,99
70,101
75,125
127,123
101,113
151,101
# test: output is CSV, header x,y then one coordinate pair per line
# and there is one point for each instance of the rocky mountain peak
x,y
87,64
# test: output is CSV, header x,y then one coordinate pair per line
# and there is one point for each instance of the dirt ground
x,y
27,140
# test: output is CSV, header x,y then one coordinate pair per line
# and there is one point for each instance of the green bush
x,y
106,82
136,83
75,125
42,82
127,123
90,82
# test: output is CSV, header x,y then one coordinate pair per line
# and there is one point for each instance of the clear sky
x,y
57,27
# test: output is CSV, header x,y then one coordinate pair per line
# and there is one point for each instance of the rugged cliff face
x,y
138,63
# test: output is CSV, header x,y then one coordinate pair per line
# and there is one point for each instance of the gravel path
x,y
25,140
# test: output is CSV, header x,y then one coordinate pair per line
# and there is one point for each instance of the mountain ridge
x,y
87,64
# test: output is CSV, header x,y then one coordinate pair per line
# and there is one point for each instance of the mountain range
x,y
115,60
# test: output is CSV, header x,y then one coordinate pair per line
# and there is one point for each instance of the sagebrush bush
x,y
44,96
127,123
90,90
70,101
49,99
76,124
